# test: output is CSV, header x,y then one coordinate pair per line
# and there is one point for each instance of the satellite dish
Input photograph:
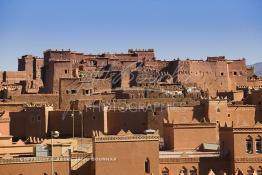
x,y
55,134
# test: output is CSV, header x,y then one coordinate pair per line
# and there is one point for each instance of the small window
x,y
147,166
222,74
249,145
193,171
73,91
259,171
250,171
228,115
33,119
235,73
66,71
38,118
258,144
165,171
218,109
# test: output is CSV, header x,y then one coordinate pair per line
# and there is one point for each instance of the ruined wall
x,y
212,75
51,99
12,77
54,71
77,89
26,63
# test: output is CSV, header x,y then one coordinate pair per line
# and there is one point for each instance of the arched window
x,y
258,144
249,145
165,171
250,171
193,171
147,166
238,172
183,171
259,171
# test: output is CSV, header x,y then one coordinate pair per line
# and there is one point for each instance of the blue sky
x,y
174,28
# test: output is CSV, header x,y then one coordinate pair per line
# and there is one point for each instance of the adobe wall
x,y
233,143
11,106
34,168
240,136
219,165
4,122
26,64
77,89
210,75
254,83
176,165
62,121
129,155
54,71
185,114
30,122
256,97
38,68
238,115
93,120
4,127
245,166
184,136
12,77
51,99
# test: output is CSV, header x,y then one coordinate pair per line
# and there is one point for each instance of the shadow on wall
x,y
258,114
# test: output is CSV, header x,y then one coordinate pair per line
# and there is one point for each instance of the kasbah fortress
x,y
69,113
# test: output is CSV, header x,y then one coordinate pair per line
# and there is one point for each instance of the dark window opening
x,y
258,145
249,145
165,171
222,74
66,71
147,166
259,171
73,91
235,73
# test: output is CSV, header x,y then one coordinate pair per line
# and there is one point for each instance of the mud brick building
x,y
130,113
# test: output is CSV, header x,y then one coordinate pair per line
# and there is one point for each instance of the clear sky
x,y
174,28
